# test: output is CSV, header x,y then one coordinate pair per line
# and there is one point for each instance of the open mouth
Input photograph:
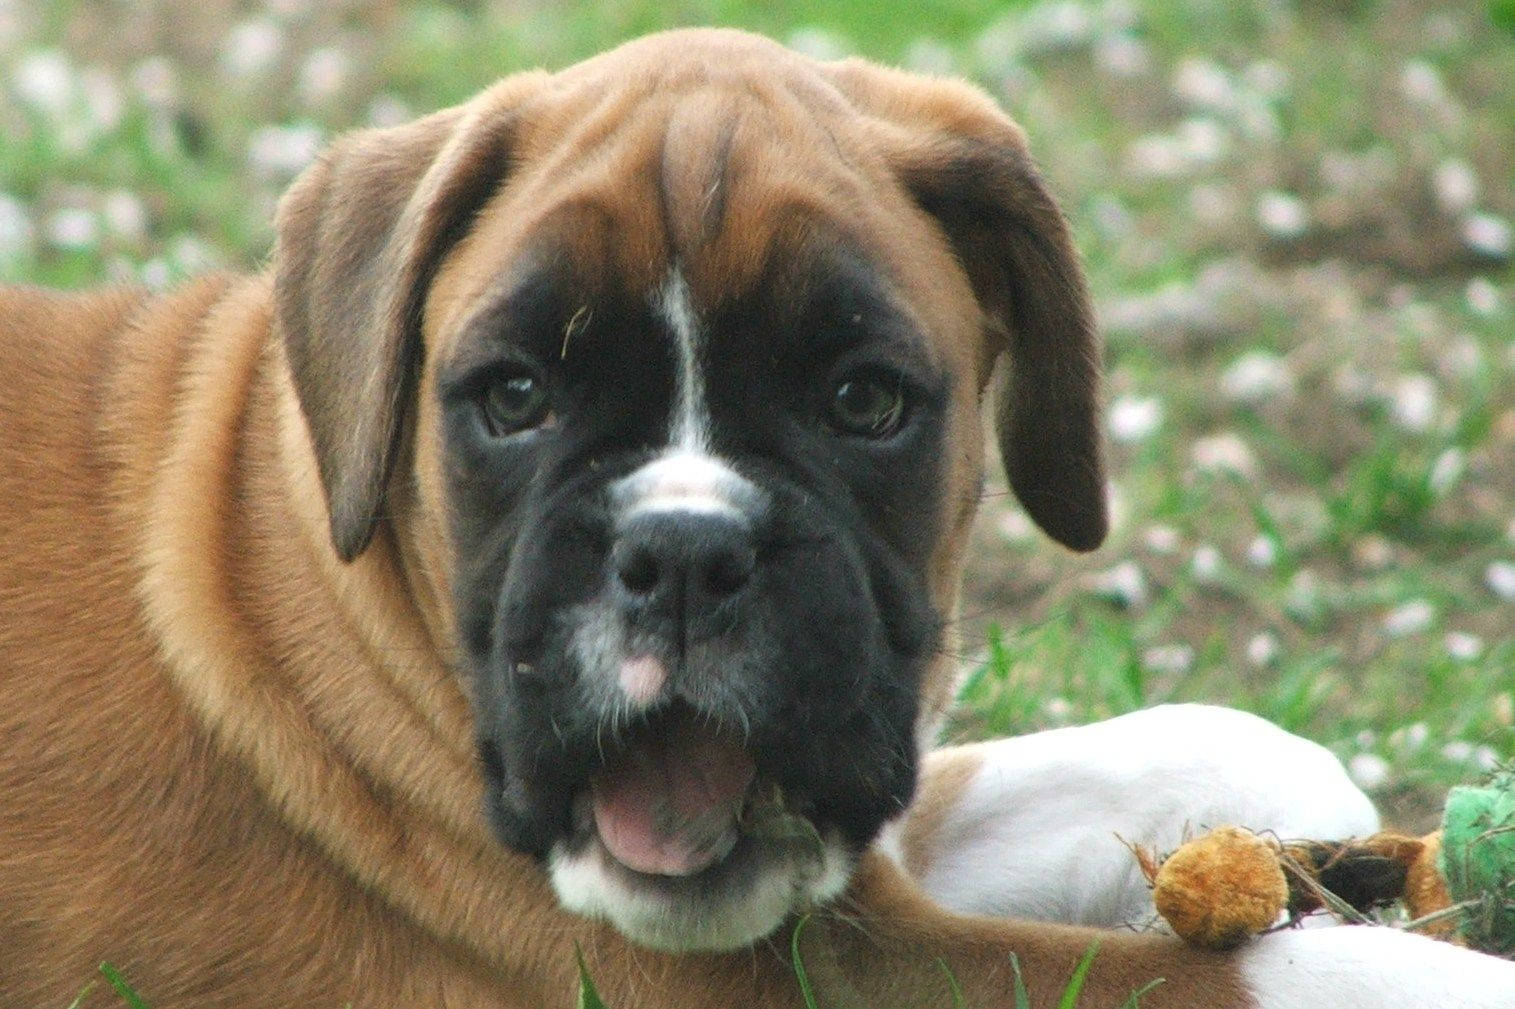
x,y
677,796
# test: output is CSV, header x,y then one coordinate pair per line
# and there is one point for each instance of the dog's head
x,y
679,354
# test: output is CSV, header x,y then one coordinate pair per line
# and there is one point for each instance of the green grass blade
x,y
806,992
589,996
1135,1001
127,993
1022,1000
1076,982
83,994
952,985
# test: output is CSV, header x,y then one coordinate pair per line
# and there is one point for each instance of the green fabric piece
x,y
1478,861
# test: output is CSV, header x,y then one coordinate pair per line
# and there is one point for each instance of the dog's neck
x,y
259,621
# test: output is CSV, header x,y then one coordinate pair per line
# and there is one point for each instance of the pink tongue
x,y
668,807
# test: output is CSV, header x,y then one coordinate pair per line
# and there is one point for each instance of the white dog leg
x,y
1031,826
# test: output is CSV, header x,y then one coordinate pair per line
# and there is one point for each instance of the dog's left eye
x,y
867,405
514,401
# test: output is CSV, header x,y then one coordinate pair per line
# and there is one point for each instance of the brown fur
x,y
239,768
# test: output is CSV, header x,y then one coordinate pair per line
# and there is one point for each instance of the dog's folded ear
x,y
966,164
359,237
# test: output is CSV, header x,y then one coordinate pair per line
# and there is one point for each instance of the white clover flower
x,y
124,214
1282,215
191,255
1262,552
1057,708
282,151
1256,118
1413,402
1135,418
817,43
1456,186
1256,377
1462,646
1446,471
1500,577
1122,56
1060,24
1213,204
1409,618
1488,235
1202,141
1125,584
1156,156
252,47
1161,539
1458,751
1016,526
1267,77
1410,737
1204,83
325,72
388,110
1368,770
104,101
45,81
1171,659
1422,84
931,56
1366,739
154,80
156,274
16,229
1263,649
1483,297
74,229
1207,565
1372,552
1224,453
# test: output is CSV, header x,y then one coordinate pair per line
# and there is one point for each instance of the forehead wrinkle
x,y
695,160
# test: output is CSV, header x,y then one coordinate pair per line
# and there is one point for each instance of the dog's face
x,y
680,352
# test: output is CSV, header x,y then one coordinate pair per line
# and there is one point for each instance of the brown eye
x,y
513,402
870,406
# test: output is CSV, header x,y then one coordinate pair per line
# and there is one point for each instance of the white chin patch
x,y
745,904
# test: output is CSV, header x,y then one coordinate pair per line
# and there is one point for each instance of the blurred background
x,y
1297,219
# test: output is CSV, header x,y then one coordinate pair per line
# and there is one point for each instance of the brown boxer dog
x,y
554,550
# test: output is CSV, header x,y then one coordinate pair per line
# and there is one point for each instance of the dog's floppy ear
x,y
359,236
966,164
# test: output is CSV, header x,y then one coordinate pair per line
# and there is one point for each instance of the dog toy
x,y
1221,888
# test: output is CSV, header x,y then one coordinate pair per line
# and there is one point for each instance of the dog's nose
x,y
682,567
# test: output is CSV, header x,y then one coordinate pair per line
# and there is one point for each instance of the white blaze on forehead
x,y
688,476
690,424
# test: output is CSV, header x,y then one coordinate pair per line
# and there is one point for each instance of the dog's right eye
x,y
514,401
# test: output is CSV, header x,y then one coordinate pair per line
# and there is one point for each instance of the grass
x,y
1291,217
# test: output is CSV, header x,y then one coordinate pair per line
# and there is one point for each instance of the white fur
x,y
685,481
1035,833
691,416
688,476
1361,967
587,883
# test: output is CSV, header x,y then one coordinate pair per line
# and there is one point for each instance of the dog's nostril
x,y
638,571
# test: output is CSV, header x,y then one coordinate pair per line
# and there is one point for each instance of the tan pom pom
x,y
1426,889
1219,889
